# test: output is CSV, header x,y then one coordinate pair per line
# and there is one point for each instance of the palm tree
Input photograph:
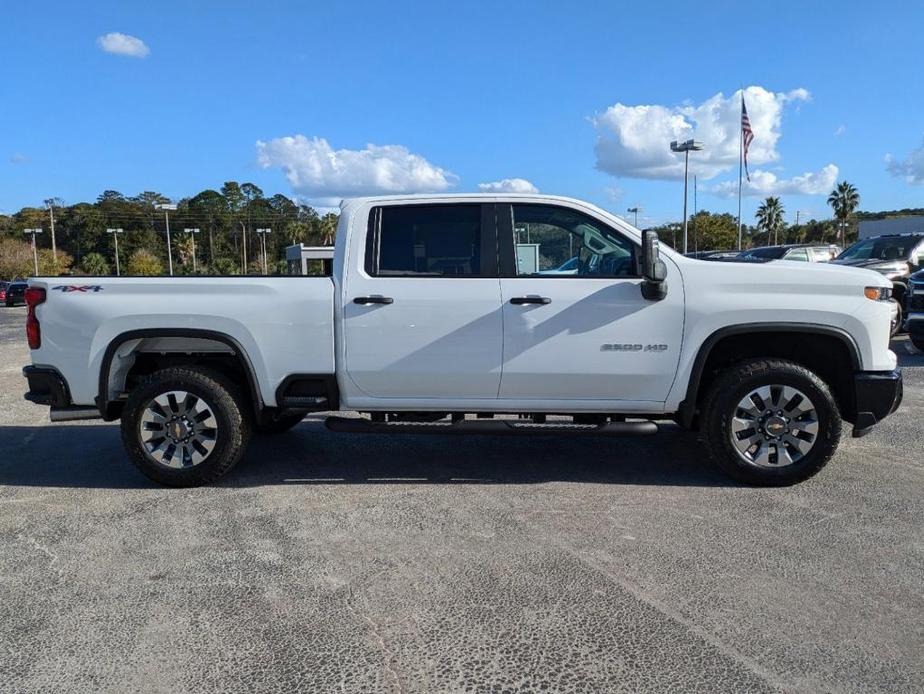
x,y
844,199
770,217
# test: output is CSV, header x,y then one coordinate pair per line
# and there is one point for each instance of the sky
x,y
321,101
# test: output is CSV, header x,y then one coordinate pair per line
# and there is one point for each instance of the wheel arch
x,y
110,408
723,343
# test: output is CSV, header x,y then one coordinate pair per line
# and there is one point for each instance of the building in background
x,y
310,260
892,225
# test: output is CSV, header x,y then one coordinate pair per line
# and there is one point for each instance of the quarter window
x,y
559,242
425,241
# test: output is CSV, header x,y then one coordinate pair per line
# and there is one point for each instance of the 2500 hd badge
x,y
616,347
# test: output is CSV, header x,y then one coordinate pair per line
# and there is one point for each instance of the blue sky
x,y
578,99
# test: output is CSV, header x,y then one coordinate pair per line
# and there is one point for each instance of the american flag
x,y
746,135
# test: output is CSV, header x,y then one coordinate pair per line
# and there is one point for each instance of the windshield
x,y
884,248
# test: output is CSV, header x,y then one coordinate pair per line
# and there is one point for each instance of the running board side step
x,y
73,414
494,427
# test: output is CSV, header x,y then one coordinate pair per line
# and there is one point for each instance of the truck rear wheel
x,y
185,427
770,422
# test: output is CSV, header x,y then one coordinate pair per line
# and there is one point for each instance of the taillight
x,y
34,296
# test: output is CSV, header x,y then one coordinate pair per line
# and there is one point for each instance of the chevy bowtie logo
x,y
68,288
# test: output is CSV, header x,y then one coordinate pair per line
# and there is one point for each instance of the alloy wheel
x,y
774,426
178,429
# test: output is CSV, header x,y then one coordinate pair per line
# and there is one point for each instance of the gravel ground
x,y
419,564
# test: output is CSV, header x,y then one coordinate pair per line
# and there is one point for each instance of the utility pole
x,y
33,232
243,246
115,237
50,203
167,207
262,233
192,234
695,211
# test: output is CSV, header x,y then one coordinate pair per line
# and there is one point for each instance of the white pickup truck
x,y
468,314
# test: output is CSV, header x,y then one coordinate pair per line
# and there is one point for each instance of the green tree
x,y
770,218
15,258
53,264
714,232
208,206
143,262
94,264
844,200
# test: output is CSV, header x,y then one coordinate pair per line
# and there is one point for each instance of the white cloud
x,y
911,168
18,158
634,141
767,183
508,185
320,173
123,44
841,129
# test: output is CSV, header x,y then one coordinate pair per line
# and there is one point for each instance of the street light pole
x,y
262,233
635,211
33,232
685,147
192,233
167,207
115,237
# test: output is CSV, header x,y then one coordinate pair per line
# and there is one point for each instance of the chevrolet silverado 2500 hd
x,y
442,313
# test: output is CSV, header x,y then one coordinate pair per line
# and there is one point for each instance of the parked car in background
x,y
712,255
915,306
897,256
3,286
818,253
15,294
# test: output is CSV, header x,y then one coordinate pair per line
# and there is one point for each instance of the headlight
x,y
878,293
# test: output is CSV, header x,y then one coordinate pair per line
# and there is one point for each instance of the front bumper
x,y
878,394
46,386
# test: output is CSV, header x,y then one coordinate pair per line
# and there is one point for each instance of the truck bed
x,y
283,324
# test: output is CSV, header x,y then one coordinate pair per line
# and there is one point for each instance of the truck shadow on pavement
x,y
91,456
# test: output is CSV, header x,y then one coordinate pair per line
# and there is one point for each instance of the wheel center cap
x,y
775,426
177,430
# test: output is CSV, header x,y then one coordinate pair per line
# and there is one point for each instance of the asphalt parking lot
x,y
328,562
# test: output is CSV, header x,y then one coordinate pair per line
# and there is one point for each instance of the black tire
x,y
278,423
721,403
918,342
231,433
897,326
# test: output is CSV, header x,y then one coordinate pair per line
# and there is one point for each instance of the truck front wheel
x,y
185,427
770,422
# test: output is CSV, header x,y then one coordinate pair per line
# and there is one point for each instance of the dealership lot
x,y
333,562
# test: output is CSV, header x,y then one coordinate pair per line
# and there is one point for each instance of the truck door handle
x,y
519,300
366,300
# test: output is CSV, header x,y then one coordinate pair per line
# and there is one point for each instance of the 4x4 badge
x,y
67,288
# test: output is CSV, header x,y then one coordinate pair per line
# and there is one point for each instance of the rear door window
x,y
428,241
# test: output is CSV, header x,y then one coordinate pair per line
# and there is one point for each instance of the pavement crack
x,y
42,549
772,679
376,630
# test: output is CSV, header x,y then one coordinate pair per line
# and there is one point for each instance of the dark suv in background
x,y
897,256
15,293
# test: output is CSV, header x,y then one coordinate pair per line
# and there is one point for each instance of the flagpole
x,y
740,160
